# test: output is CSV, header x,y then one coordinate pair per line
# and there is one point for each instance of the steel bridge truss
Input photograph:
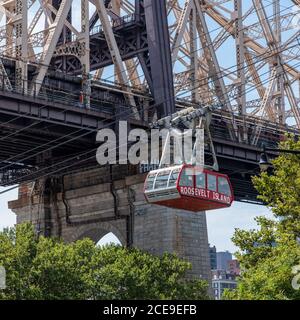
x,y
245,57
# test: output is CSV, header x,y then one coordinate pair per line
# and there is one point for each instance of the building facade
x,y
233,267
222,260
222,280
213,257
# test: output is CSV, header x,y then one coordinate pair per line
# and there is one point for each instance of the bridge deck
x,y
32,125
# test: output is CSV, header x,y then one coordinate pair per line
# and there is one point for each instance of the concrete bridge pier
x,y
96,202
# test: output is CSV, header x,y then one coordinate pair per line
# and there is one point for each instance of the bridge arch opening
x,y
101,233
109,238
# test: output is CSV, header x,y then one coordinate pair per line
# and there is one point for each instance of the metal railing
x,y
105,102
124,20
116,23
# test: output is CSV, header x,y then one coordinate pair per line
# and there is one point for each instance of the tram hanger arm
x,y
186,115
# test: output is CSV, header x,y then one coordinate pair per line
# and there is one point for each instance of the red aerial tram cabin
x,y
189,188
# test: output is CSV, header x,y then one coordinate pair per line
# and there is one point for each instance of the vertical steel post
x,y
280,78
194,56
160,56
240,60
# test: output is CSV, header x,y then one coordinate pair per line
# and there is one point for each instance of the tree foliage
x,y
269,254
47,268
267,258
281,190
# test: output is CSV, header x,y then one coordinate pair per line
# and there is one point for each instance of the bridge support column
x,y
160,56
87,204
158,230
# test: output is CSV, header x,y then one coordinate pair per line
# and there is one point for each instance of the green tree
x,y
268,255
47,268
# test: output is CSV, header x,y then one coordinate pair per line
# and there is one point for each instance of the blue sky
x,y
221,223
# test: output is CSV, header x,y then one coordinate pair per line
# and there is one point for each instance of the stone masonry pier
x,y
108,199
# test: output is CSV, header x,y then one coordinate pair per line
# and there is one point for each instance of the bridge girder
x,y
153,52
83,48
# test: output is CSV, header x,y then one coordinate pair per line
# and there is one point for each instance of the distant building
x,y
224,271
233,267
213,257
222,260
222,280
218,274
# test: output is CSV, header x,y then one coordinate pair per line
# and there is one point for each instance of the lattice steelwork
x,y
242,55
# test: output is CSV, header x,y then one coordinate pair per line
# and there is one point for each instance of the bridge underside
x,y
44,137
